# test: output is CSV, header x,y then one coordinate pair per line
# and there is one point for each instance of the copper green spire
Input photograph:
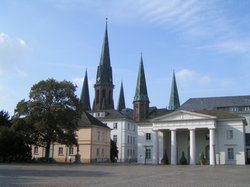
x,y
141,93
84,100
174,101
104,82
121,101
104,70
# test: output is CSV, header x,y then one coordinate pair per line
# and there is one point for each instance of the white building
x,y
123,132
219,135
239,105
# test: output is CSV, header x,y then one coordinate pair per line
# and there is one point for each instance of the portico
x,y
216,134
182,127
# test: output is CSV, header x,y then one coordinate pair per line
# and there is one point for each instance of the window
x,y
230,153
148,136
128,140
115,138
248,139
97,152
229,134
36,150
102,151
103,136
133,152
128,126
60,151
115,126
98,136
131,140
71,150
148,153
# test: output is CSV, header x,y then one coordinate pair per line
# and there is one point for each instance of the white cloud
x,y
184,74
235,46
11,51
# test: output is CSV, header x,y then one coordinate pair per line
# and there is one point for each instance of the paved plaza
x,y
117,175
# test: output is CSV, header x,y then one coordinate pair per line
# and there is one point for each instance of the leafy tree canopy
x,y
52,112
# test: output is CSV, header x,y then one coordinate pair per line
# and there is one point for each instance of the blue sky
x,y
207,43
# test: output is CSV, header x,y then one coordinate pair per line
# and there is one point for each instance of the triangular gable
x,y
183,115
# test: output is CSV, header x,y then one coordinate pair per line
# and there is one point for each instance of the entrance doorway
x,y
248,156
207,154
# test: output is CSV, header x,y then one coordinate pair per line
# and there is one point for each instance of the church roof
x,y
104,70
88,120
121,101
84,100
208,103
141,93
174,101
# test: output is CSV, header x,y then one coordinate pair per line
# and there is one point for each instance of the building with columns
x,y
218,134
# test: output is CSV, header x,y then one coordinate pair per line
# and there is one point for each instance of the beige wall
x,y
94,146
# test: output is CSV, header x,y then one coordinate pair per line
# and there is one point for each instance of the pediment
x,y
183,115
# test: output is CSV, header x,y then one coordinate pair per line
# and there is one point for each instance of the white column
x,y
160,146
192,147
173,147
212,146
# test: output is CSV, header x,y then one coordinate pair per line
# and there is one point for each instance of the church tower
x,y
174,102
104,81
84,100
121,101
141,101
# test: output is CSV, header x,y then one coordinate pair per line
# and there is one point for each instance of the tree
x,y
4,118
52,112
13,143
113,151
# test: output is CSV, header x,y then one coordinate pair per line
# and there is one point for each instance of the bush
x,y
183,160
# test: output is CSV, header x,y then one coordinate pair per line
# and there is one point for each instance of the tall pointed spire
x,y
174,101
84,100
121,101
141,101
141,92
104,71
104,81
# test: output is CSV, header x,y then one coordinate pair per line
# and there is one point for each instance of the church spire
x,y
141,92
104,70
84,100
174,101
104,81
141,101
121,101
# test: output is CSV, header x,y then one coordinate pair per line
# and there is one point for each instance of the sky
x,y
206,43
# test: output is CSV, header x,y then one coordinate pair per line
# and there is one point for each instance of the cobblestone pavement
x,y
118,175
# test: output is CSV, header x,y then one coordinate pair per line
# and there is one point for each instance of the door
x,y
248,156
207,154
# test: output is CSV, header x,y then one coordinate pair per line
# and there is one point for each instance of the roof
x,y
121,101
104,70
84,100
209,103
87,120
115,114
220,115
174,101
141,93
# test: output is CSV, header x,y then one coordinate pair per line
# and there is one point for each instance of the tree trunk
x,y
47,151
